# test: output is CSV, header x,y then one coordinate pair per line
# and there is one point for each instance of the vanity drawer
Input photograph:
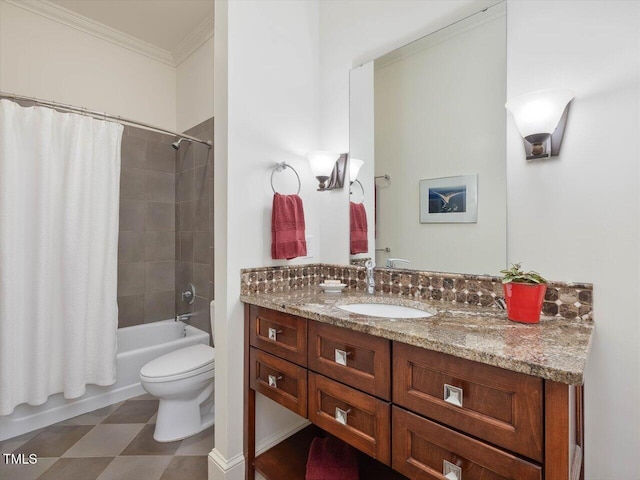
x,y
279,333
421,448
357,359
281,381
497,405
355,417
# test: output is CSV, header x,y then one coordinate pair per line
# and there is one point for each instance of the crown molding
x,y
193,41
71,19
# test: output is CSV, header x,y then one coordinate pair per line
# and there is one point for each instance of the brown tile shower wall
x,y
146,249
563,299
194,225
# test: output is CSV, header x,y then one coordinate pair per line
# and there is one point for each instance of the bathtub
x,y
137,345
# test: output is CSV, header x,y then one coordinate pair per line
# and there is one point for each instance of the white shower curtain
x,y
59,201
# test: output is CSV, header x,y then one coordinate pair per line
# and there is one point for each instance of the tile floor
x,y
113,443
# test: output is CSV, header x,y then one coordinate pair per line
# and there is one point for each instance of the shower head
x,y
176,145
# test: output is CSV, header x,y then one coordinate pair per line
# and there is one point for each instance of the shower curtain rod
x,y
102,115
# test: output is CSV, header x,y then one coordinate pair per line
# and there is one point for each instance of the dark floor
x,y
113,443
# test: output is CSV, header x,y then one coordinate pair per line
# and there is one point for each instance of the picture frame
x,y
449,199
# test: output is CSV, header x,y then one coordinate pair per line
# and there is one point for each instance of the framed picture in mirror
x,y
449,199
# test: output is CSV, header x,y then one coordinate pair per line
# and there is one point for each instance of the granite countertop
x,y
555,349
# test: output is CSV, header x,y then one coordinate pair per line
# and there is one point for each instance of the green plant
x,y
516,275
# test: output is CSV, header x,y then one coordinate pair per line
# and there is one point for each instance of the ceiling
x,y
162,23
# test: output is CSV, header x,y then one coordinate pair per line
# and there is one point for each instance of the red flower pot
x,y
524,301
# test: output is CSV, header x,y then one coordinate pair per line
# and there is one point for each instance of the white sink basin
x,y
384,310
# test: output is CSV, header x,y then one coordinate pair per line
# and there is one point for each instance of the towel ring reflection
x,y
361,188
279,168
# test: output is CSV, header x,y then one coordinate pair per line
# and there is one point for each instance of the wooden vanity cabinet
x,y
361,420
354,358
279,334
419,411
497,405
281,381
421,447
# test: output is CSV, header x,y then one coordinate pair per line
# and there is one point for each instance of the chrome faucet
x,y
391,262
371,283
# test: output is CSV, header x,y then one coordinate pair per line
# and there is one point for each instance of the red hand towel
x,y
359,242
331,459
287,227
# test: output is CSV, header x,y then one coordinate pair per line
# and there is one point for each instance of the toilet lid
x,y
179,361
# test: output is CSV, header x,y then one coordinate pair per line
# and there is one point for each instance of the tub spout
x,y
183,317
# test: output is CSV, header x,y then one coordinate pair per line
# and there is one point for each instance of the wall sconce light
x,y
329,169
541,117
354,167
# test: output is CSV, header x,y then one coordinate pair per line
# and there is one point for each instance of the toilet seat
x,y
184,363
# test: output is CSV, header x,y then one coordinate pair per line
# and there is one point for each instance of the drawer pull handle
x,y
451,471
273,380
273,334
453,395
341,356
341,415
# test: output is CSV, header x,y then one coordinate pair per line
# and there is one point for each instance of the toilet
x,y
183,382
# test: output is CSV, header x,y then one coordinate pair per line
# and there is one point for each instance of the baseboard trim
x,y
57,410
576,465
222,469
234,468
277,437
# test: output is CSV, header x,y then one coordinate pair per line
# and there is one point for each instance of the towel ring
x,y
361,188
279,168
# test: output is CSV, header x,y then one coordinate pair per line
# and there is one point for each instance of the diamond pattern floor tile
x,y
105,441
111,443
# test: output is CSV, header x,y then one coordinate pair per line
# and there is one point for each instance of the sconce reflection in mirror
x,y
541,117
354,167
329,168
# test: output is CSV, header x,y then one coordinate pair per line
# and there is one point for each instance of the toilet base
x,y
180,419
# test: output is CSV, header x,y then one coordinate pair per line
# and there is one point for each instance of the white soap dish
x,y
332,287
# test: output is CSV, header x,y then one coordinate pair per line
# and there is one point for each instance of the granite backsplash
x,y
563,299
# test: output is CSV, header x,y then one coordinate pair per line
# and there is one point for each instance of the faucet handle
x,y
391,262
500,302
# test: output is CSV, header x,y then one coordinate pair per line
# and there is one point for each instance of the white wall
x,y
563,220
266,111
43,58
577,217
194,84
46,59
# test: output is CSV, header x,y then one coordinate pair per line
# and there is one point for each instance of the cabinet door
x,y
425,450
355,417
279,333
496,405
281,381
357,359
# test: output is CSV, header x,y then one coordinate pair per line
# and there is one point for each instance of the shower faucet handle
x,y
189,295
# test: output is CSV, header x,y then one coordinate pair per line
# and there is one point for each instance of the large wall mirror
x,y
427,128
